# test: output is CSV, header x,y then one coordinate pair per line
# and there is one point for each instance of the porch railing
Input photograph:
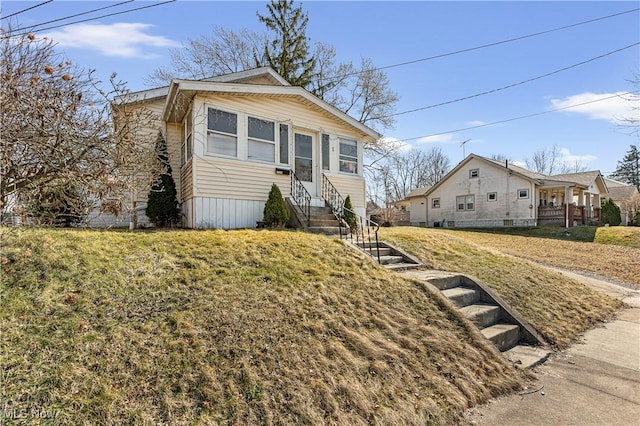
x,y
360,230
301,197
331,196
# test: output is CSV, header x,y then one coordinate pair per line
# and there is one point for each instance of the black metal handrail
x,y
331,196
360,229
301,197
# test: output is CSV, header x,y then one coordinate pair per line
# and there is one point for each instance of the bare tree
x,y
58,148
220,52
545,161
632,122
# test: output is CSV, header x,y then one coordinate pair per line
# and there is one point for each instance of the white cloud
x,y
570,159
396,144
446,138
477,123
127,40
615,109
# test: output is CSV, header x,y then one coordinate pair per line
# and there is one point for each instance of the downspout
x,y
426,211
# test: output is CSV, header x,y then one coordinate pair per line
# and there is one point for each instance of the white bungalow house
x,y
230,137
480,192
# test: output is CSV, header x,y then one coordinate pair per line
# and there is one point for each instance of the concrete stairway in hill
x,y
389,256
322,220
509,332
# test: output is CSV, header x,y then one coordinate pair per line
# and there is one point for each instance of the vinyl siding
x,y
350,185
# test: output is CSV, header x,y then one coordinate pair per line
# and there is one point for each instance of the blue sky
x,y
134,44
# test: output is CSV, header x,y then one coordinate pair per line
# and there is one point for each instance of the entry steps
x,y
497,322
389,256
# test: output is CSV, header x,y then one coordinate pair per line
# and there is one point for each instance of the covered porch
x,y
568,205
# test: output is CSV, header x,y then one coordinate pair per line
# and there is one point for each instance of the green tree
x,y
628,169
162,204
348,213
275,211
288,51
611,213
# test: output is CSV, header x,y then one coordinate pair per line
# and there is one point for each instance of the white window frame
x,y
474,173
520,194
274,142
186,149
224,134
465,202
495,196
435,203
284,143
348,158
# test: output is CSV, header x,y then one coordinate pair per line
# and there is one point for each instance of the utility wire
x,y
520,117
24,10
482,46
92,19
529,80
76,15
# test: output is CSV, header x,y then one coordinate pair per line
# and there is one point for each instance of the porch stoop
x,y
497,322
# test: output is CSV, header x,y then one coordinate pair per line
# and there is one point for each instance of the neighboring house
x,y
480,192
230,137
416,203
626,197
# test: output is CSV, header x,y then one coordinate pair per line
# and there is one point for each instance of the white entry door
x,y
305,153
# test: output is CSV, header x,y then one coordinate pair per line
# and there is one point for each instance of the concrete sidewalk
x,y
595,382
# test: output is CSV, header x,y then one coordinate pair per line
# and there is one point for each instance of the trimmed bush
x,y
348,213
611,213
162,202
275,211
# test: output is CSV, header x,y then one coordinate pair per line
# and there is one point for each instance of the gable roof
x,y
592,177
190,88
519,171
622,193
418,192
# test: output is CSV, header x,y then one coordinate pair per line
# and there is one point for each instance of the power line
x,y
28,8
482,46
92,19
77,14
529,80
519,117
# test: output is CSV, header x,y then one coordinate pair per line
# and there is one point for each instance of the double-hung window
x,y
222,133
348,156
262,140
187,141
465,202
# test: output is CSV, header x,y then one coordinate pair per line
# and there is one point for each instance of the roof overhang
x,y
181,91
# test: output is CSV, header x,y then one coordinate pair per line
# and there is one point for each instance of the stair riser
x,y
317,223
389,260
326,230
465,299
320,210
323,217
506,340
384,251
484,318
444,283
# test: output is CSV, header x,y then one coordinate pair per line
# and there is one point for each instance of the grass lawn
x,y
561,309
239,327
612,255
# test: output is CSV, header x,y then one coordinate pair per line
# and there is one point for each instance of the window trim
x,y
495,197
435,203
526,197
355,160
465,203
473,172
274,142
209,131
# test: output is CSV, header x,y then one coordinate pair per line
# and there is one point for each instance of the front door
x,y
305,161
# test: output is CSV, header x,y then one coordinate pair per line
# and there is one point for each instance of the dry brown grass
x,y
610,260
561,309
229,328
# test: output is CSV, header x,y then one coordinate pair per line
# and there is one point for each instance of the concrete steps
x,y
496,321
390,257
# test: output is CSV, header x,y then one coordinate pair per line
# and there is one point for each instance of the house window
x,y
492,196
523,193
348,156
325,152
186,149
435,203
262,140
465,202
284,144
474,173
222,133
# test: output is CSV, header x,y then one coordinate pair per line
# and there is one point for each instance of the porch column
x,y
568,198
